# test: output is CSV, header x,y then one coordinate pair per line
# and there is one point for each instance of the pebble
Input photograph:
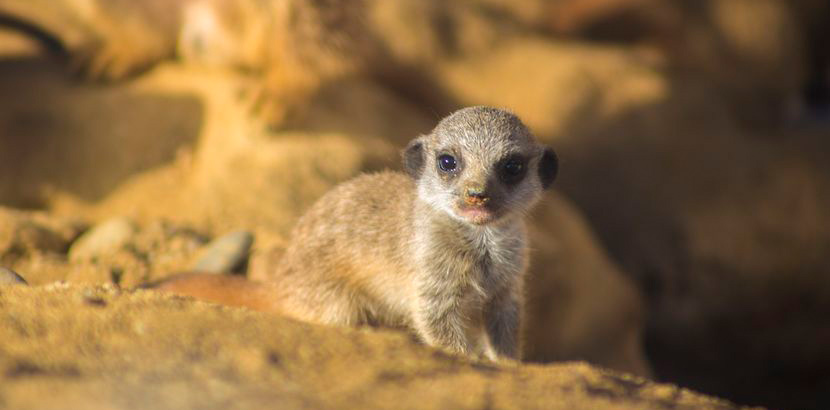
x,y
225,254
104,238
10,277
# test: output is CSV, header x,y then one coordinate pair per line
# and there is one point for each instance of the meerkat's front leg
x,y
502,317
442,318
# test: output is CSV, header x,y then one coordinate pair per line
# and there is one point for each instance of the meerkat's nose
x,y
476,196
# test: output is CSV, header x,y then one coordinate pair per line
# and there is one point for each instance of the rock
x,y
722,251
154,250
105,238
100,155
10,277
569,86
25,233
225,254
158,248
43,268
27,237
580,304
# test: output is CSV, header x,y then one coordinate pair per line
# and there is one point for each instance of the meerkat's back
x,y
348,261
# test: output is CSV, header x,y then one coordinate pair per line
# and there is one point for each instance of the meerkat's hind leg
x,y
322,301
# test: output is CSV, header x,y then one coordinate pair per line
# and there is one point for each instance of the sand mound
x,y
100,348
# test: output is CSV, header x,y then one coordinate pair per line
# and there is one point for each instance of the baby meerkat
x,y
440,249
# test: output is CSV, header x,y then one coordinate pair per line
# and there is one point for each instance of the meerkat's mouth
x,y
478,215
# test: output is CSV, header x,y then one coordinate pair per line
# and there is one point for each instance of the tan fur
x,y
295,45
413,251
223,289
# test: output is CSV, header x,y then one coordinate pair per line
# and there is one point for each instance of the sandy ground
x,y
68,346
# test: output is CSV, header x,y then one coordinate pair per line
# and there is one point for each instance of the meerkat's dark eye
x,y
447,163
512,169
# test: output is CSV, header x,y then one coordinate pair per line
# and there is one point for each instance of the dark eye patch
x,y
512,169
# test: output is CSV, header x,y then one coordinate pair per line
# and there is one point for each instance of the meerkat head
x,y
479,165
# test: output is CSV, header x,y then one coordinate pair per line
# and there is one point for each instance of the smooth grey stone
x,y
225,254
104,238
10,277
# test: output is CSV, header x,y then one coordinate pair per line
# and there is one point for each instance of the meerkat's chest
x,y
480,257
498,253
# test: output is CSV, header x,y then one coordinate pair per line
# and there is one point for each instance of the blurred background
x,y
687,239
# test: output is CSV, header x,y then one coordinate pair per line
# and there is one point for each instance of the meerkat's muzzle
x,y
476,206
476,197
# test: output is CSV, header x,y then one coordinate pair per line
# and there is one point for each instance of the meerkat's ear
x,y
548,168
413,158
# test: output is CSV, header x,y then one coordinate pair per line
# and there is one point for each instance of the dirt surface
x,y
100,348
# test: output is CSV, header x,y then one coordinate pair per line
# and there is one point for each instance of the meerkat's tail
x,y
51,42
222,289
